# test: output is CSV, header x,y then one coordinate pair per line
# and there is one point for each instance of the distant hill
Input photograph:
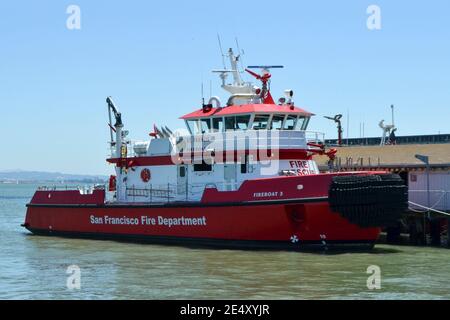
x,y
39,176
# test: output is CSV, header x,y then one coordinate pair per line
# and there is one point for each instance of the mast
x,y
241,91
234,67
238,86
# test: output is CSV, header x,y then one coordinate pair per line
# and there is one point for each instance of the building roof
x,y
374,141
245,109
391,155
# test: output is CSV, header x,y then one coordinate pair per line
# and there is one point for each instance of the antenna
x,y
203,96
210,88
348,123
265,67
241,53
392,107
221,51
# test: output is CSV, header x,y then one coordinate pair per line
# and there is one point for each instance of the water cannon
x,y
264,77
265,72
337,119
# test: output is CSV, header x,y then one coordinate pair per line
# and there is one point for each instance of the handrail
x,y
172,192
72,187
223,140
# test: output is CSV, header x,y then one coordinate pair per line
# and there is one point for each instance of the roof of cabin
x,y
393,154
247,108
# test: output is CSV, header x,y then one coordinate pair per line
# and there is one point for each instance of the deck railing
x,y
84,189
175,193
238,140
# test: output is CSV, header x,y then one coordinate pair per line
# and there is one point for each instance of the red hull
x,y
252,217
267,226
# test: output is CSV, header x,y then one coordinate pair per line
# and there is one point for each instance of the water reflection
x,y
34,267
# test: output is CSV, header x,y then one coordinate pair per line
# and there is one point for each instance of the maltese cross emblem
x,y
294,239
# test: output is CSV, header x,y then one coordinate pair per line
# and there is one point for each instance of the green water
x,y
33,267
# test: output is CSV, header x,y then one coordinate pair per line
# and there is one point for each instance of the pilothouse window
x,y
305,124
237,122
289,124
206,125
261,121
302,123
230,123
217,124
277,122
242,122
193,126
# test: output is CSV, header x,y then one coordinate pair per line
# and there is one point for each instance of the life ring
x,y
146,175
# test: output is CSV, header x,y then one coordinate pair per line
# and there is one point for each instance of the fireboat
x,y
241,175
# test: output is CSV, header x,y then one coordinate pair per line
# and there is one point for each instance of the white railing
x,y
83,189
245,140
239,140
315,137
168,193
130,150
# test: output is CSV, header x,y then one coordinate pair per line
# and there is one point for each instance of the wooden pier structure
x,y
419,226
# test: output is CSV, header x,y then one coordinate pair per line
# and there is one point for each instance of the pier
x,y
428,219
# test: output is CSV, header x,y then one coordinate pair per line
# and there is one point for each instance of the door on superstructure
x,y
182,181
229,176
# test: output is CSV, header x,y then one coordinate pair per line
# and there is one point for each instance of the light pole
x,y
426,161
392,110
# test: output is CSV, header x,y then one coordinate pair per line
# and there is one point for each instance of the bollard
x,y
435,232
448,233
393,234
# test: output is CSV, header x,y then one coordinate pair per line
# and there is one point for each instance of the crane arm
x,y
117,114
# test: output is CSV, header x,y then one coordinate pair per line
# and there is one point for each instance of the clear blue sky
x,y
152,56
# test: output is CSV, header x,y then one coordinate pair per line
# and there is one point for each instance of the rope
x,y
437,202
428,209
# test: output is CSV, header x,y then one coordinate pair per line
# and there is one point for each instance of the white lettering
x,y
148,221
267,194
181,221
192,310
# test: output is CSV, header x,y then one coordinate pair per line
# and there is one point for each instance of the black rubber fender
x,y
372,200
